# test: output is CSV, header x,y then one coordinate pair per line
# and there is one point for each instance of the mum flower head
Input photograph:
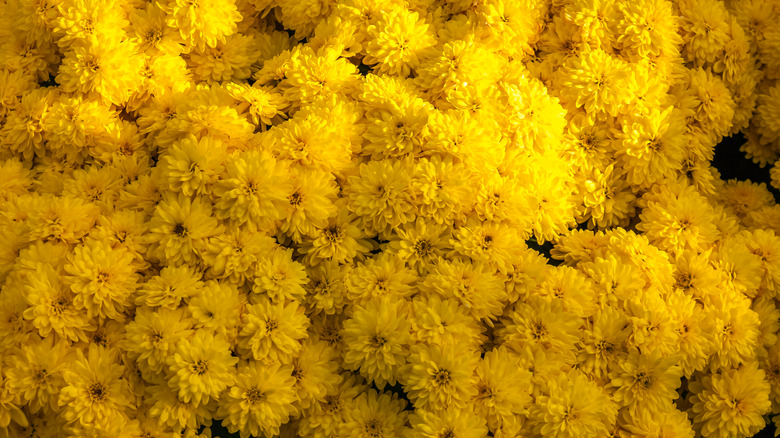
x,y
377,338
259,401
731,402
95,392
201,368
202,23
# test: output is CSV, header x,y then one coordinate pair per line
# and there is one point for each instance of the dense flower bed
x,y
324,218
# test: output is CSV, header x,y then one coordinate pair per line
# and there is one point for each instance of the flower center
x,y
200,367
97,392
254,395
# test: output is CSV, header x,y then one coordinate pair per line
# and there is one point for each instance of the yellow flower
x,y
95,392
474,284
444,322
381,195
397,41
279,277
695,329
705,29
216,307
170,288
385,274
439,377
179,227
87,21
453,422
311,76
442,188
193,166
602,344
648,29
36,373
374,415
233,255
272,331
310,203
255,189
325,417
574,407
263,104
503,387
315,373
169,410
574,290
326,291
596,81
229,60
376,339
259,401
102,279
51,306
537,325
201,368
151,32
420,246
110,68
153,335
730,403
736,332
341,240
202,23
651,422
646,380
680,223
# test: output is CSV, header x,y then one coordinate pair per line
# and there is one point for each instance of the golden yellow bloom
x,y
179,228
201,368
202,23
110,68
397,39
259,401
730,403
439,377
646,380
95,392
272,331
102,279
376,339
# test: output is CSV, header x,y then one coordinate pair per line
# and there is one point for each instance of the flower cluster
x,y
378,218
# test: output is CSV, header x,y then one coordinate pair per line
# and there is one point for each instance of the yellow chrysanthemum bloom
x,y
376,339
111,68
259,401
95,393
439,377
179,228
102,279
202,23
193,166
255,189
646,380
573,407
153,335
36,373
52,306
374,415
502,387
450,422
730,403
397,40
201,368
272,331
